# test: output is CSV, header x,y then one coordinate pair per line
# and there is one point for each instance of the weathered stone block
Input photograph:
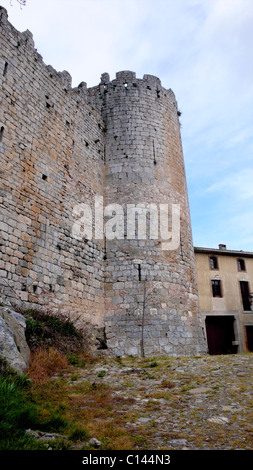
x,y
13,345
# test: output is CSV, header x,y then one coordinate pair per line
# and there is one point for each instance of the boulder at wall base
x,y
13,345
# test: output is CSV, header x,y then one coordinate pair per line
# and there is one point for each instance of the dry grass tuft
x,y
45,363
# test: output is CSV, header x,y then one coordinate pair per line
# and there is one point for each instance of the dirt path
x,y
182,403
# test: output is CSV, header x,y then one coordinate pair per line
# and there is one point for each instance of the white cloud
x,y
238,185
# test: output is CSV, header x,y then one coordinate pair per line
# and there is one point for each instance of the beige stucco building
x,y
225,285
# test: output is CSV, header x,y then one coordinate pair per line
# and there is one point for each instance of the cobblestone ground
x,y
183,403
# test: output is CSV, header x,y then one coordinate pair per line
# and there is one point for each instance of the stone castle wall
x,y
61,147
51,160
144,164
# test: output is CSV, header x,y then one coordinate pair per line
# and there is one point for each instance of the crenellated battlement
x,y
127,86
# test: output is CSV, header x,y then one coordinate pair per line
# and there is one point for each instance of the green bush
x,y
153,364
54,423
79,434
46,329
76,360
101,373
15,417
34,327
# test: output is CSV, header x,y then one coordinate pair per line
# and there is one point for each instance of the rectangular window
x,y
213,261
241,265
244,285
216,288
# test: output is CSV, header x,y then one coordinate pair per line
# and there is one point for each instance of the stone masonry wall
x,y
144,164
62,147
51,159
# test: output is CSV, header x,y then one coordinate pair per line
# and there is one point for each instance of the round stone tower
x,y
150,284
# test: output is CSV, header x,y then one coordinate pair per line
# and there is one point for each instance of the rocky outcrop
x,y
13,345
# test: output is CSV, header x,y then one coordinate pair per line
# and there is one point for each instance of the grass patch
x,y
77,360
81,410
79,434
152,364
102,373
56,396
16,415
187,387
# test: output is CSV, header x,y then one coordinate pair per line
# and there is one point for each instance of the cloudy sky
x,y
203,50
